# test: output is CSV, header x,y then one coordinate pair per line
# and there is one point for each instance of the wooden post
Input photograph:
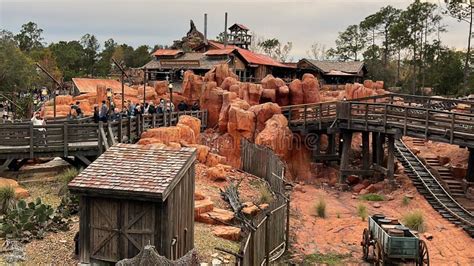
x,y
66,144
84,235
288,222
100,140
32,138
331,144
374,147
120,133
129,130
470,166
380,149
346,150
267,241
153,121
365,151
391,158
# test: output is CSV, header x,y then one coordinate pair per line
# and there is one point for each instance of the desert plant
x,y
338,215
415,220
7,199
372,197
321,208
362,211
31,220
405,201
265,194
66,177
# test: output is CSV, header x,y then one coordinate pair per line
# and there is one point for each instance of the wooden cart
x,y
391,242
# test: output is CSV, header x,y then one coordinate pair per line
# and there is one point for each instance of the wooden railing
x,y
24,140
449,127
307,114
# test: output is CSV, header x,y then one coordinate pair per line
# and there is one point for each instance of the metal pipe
x,y
205,27
225,31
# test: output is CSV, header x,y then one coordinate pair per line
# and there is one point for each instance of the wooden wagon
x,y
392,242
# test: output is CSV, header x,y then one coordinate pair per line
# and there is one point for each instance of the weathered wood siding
x,y
178,217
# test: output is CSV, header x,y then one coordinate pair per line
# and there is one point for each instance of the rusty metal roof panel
x,y
136,170
251,57
220,51
86,85
167,52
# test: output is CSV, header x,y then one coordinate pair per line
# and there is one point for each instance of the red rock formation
x,y
263,112
227,98
268,96
283,96
310,89
192,85
296,92
276,135
211,100
161,87
255,92
219,73
229,81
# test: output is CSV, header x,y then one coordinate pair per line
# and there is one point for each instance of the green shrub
x,y
321,208
325,259
415,220
372,197
7,199
68,175
362,211
31,220
406,201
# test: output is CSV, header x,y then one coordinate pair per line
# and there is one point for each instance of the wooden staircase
x,y
454,185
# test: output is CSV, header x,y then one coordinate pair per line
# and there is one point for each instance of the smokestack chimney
x,y
205,27
225,31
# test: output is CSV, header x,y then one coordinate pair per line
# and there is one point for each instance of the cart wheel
x,y
365,244
423,255
379,257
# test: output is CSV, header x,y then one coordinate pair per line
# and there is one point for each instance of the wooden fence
x,y
268,240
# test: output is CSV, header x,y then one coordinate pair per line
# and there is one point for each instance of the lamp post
x,y
122,79
144,85
170,87
55,94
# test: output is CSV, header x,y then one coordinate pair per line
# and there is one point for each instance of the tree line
x,y
64,59
403,47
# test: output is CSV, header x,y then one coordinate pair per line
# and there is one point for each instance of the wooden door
x,y
138,227
104,229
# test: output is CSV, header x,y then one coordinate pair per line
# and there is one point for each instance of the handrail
x,y
408,96
442,188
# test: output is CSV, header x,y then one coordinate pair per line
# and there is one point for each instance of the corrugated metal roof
x,y
205,62
328,66
134,169
86,85
166,52
220,51
251,57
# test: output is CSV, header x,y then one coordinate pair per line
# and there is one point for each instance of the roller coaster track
x,y
432,190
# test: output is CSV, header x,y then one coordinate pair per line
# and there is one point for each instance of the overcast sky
x,y
151,22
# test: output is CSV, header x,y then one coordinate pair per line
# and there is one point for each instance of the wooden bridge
x,y
77,141
386,117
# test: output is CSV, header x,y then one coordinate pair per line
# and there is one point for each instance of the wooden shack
x,y
133,196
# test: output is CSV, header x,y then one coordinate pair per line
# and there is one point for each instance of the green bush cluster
x,y
372,197
415,220
362,211
321,208
31,220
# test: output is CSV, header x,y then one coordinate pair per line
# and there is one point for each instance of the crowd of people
x,y
106,112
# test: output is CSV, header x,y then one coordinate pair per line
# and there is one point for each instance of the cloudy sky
x,y
151,22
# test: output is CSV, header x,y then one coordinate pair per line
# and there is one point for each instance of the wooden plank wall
x,y
270,239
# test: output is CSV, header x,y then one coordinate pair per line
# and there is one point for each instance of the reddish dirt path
x,y
450,245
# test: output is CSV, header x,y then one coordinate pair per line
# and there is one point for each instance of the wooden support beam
x,y
374,147
380,149
380,169
331,144
365,151
470,166
346,152
391,158
84,229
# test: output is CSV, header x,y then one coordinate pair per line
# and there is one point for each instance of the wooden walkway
x,y
82,139
403,115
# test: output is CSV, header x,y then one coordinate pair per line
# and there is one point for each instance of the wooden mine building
x,y
248,65
133,196
332,72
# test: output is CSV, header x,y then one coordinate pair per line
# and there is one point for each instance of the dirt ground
x,y
341,231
